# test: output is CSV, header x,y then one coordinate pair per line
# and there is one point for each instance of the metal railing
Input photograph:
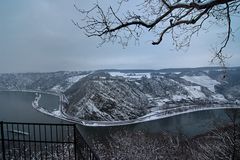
x,y
43,141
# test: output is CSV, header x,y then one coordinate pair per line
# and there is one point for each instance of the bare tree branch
x,y
180,18
219,54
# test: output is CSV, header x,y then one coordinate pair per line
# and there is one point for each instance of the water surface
x,y
17,107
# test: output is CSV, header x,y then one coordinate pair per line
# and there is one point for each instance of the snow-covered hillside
x,y
125,95
54,81
204,81
113,95
130,75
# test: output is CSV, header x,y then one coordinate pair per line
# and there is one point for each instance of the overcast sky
x,y
38,36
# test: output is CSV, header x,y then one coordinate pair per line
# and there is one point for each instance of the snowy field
x,y
202,81
130,75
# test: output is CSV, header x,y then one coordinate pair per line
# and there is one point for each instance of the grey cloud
x,y
39,36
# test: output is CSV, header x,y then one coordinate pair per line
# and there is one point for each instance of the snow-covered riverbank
x,y
56,113
36,100
59,112
160,114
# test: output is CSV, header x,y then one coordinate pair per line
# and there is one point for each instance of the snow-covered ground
x,y
195,92
159,114
75,79
178,97
149,117
130,75
57,88
176,72
71,80
57,113
204,81
162,89
154,115
219,97
35,103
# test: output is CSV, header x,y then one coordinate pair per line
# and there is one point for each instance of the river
x,y
17,107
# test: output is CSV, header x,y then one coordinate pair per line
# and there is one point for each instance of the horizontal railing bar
x,y
81,148
27,141
47,124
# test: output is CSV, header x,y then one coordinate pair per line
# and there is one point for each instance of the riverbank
x,y
160,114
37,107
149,117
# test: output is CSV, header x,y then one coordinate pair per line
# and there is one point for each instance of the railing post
x,y
75,141
3,145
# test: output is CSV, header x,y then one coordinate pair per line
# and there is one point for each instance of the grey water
x,y
17,107
188,124
49,102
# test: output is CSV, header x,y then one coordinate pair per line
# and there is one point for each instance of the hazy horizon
x,y
156,69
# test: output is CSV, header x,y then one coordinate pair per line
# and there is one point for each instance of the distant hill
x,y
112,95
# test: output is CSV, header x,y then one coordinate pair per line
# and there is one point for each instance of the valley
x,y
118,97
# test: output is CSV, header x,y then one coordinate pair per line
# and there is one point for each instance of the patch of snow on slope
x,y
177,72
130,75
57,88
219,97
179,97
149,96
36,100
195,92
206,71
158,100
74,79
70,80
137,83
57,113
161,102
202,81
92,108
100,83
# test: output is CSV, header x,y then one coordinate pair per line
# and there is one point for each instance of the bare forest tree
x,y
181,19
234,115
222,143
